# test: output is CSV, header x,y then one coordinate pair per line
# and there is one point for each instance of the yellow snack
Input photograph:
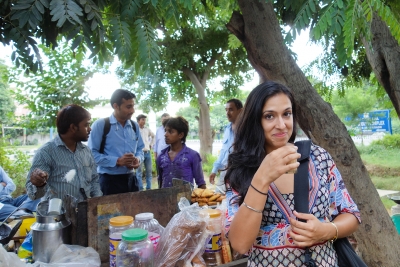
x,y
198,192
212,203
207,193
214,197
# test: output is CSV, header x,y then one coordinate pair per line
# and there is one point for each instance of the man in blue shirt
x,y
8,204
232,108
123,149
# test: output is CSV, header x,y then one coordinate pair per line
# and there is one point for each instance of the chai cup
x,y
54,206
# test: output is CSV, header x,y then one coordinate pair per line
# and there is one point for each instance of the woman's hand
x,y
313,231
277,163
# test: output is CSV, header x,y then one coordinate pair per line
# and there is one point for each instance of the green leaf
x,y
39,7
94,25
45,3
88,8
312,5
339,3
20,6
76,42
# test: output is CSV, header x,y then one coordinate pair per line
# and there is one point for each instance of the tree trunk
x,y
383,54
258,28
204,118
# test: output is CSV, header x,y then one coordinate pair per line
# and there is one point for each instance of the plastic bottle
x,y
135,249
213,252
117,226
395,210
147,222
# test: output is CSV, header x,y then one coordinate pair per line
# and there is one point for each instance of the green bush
x,y
389,141
208,163
16,168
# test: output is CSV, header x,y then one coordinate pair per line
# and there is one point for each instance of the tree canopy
x,y
7,106
104,28
61,82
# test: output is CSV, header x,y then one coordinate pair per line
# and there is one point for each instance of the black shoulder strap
x,y
301,184
133,126
301,188
106,130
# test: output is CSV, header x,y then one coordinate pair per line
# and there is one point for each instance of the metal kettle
x,y
48,233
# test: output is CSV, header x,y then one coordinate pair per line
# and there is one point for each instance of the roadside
x,y
386,192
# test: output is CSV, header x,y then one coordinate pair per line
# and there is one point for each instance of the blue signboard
x,y
376,121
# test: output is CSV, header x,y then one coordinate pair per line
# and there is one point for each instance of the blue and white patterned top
x,y
328,198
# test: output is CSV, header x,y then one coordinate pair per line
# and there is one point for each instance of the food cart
x,y
90,222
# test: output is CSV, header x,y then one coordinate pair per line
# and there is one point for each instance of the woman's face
x,y
172,136
277,121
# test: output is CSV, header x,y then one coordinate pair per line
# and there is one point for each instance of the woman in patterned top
x,y
261,216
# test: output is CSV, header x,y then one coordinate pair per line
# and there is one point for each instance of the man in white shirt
x,y
160,138
148,140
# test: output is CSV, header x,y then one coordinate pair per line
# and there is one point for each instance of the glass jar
x,y
117,226
135,249
147,222
213,252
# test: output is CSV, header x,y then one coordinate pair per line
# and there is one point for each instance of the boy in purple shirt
x,y
177,160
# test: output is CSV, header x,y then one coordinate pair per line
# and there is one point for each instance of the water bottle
x,y
147,222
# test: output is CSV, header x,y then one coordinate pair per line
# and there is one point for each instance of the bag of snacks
x,y
183,240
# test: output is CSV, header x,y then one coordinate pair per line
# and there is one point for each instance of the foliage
x,y
60,83
340,27
126,28
17,168
356,101
218,118
7,106
208,163
389,141
206,50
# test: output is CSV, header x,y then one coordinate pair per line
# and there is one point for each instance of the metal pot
x,y
48,233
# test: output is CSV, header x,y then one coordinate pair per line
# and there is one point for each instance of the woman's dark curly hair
x,y
249,145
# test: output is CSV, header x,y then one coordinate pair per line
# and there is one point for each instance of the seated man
x,y
8,204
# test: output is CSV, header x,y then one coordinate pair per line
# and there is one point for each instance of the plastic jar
x,y
147,222
117,226
213,251
135,249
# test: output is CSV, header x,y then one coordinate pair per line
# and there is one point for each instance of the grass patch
x,y
388,203
380,156
386,183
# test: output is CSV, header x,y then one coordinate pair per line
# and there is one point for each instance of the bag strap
x,y
301,183
106,130
301,189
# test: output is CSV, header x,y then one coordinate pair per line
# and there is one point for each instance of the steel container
x,y
48,233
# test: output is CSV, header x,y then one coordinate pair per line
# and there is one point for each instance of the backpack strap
x,y
301,190
106,130
301,182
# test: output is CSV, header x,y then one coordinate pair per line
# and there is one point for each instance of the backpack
x,y
106,130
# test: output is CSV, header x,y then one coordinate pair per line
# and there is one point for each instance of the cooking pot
x,y
48,233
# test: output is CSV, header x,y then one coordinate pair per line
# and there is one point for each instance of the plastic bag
x,y
9,259
72,256
183,240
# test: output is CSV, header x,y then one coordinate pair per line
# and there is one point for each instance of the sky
x,y
103,85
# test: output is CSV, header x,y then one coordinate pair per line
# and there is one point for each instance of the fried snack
x,y
212,203
193,199
202,199
198,192
193,194
214,197
207,193
178,233
201,204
